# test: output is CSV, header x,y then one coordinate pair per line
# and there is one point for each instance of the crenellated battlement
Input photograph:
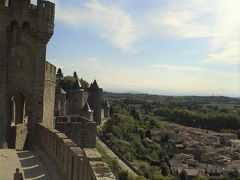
x,y
40,17
73,162
46,9
79,129
43,8
50,71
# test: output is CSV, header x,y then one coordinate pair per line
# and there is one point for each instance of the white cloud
x,y
230,54
178,68
217,21
177,19
107,21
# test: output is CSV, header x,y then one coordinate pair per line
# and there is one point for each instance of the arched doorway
x,y
18,109
18,119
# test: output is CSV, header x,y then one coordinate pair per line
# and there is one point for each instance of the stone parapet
x,y
80,130
73,162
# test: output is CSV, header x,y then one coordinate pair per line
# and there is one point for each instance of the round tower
x,y
95,101
75,99
24,33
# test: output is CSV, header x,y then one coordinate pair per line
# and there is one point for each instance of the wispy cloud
x,y
229,54
216,21
109,22
178,20
179,68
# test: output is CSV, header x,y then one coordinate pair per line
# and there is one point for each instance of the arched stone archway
x,y
18,109
18,130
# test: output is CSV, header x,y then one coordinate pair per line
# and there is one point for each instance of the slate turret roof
x,y
94,85
86,108
59,90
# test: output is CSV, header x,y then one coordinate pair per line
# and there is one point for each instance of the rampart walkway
x,y
34,165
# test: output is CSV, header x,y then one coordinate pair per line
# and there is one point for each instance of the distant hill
x,y
155,98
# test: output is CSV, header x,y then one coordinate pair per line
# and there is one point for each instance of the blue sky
x,y
187,47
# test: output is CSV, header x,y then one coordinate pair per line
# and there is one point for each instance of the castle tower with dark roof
x,y
95,101
76,98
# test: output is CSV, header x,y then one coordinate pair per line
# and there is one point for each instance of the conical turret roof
x,y
59,90
94,85
86,108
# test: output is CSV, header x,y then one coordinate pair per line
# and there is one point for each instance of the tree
x,y
164,170
75,75
152,123
59,75
141,133
67,83
84,83
114,166
135,114
123,175
145,169
200,177
183,175
148,133
140,178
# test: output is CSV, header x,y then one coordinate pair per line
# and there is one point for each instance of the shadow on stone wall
x,y
32,166
18,137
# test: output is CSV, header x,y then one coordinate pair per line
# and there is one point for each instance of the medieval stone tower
x,y
27,80
95,101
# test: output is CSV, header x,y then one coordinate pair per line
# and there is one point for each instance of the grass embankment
x,y
115,167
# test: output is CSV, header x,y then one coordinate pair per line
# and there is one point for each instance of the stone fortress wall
x,y
50,72
95,101
74,163
80,130
25,89
49,94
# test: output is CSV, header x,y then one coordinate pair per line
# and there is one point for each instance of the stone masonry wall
x,y
49,94
73,162
3,94
25,30
21,131
95,102
79,129
18,134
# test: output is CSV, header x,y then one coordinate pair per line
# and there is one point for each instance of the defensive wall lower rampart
x,y
80,130
120,156
73,162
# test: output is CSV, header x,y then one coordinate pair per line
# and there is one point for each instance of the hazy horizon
x,y
162,93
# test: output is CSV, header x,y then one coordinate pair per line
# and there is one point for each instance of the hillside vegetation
x,y
215,113
137,118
